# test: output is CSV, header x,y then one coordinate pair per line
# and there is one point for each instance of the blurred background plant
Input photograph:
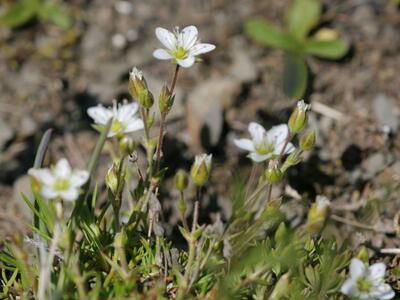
x,y
22,11
302,18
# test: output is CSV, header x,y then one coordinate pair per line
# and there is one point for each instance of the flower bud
x,y
273,174
136,83
181,180
317,214
298,119
292,160
363,254
146,98
201,169
281,288
120,239
126,145
307,141
111,179
281,233
166,100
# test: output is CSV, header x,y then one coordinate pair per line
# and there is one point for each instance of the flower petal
x,y
42,175
161,54
79,178
201,49
257,132
70,194
278,134
166,37
48,192
126,111
349,288
187,62
245,144
62,168
258,157
357,268
289,148
384,292
99,114
188,37
134,125
377,272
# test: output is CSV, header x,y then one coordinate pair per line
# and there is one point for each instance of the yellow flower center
x,y
364,285
117,126
61,185
179,53
263,148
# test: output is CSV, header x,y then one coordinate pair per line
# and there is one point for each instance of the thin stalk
x,y
162,121
183,217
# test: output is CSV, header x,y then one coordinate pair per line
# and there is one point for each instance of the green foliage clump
x,y
302,17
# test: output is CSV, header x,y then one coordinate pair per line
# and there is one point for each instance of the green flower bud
x,y
363,254
281,233
281,288
201,169
111,179
298,119
181,180
146,98
166,100
273,174
120,239
317,214
126,145
137,83
307,141
292,160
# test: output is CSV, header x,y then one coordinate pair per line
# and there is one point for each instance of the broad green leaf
x,y
270,36
294,76
56,14
331,49
302,16
18,13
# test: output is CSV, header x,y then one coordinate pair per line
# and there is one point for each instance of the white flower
x,y
124,117
136,73
60,181
201,169
181,47
265,144
367,282
203,158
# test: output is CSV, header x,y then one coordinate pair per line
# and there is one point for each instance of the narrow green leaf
x,y
331,49
302,16
268,35
294,76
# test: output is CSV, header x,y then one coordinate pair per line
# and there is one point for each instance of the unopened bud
x,y
146,98
166,100
201,169
317,214
120,239
292,160
181,180
273,174
363,254
307,141
281,288
298,119
281,233
126,145
137,83
111,179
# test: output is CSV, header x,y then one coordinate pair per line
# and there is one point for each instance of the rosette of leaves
x,y
22,11
302,17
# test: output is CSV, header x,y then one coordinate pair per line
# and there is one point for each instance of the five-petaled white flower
x,y
124,117
265,144
367,282
181,47
60,181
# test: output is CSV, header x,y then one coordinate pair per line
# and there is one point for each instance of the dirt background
x,y
49,78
